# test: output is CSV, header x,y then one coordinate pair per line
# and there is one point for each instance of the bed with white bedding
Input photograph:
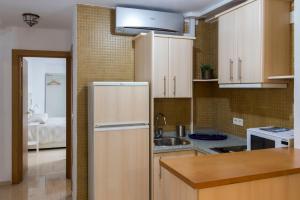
x,y
52,133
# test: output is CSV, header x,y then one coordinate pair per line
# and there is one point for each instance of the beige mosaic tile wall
x,y
205,52
204,105
102,55
215,107
177,111
258,107
206,47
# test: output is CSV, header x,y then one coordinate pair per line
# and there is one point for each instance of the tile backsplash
x,y
206,47
177,111
258,107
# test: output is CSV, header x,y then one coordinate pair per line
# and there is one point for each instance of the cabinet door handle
x,y
159,168
165,86
174,79
240,69
231,69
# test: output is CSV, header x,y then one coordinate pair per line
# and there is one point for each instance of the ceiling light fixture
x,y
30,19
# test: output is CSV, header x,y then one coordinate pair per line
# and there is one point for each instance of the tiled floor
x,y
46,179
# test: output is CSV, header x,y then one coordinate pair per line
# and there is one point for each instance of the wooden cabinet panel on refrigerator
x,y
121,168
119,146
180,67
116,105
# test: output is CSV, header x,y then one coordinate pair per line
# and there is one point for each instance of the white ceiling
x,y
58,13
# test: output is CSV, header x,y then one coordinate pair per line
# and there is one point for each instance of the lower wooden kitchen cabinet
x,y
168,184
157,195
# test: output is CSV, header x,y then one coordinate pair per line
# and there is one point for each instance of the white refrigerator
x,y
119,141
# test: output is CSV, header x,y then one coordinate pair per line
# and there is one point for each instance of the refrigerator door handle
x,y
121,127
114,124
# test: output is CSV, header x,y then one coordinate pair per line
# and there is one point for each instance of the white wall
x,y
20,38
37,69
55,100
297,74
5,100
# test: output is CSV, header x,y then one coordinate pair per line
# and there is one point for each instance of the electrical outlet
x,y
238,121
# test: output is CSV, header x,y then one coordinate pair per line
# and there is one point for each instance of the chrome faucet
x,y
158,129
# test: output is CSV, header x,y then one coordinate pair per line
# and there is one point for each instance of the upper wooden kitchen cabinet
x,y
180,67
166,61
226,47
254,42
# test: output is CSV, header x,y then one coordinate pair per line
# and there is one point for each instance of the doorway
x,y
45,92
40,110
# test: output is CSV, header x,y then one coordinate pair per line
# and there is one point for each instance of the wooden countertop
x,y
222,169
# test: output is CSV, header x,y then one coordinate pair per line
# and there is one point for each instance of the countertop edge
x,y
233,180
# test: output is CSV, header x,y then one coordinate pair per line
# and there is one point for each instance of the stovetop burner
x,y
229,149
207,136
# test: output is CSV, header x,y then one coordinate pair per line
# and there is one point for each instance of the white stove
x,y
269,137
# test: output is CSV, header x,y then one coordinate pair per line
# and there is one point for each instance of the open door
x,y
69,121
20,110
19,119
24,75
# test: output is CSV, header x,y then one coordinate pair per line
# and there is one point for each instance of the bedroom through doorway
x,y
42,123
46,100
44,89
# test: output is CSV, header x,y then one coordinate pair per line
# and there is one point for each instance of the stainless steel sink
x,y
171,141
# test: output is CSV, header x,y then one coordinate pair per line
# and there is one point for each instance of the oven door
x,y
259,142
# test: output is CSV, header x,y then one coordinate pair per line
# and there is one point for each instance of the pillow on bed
x,y
39,118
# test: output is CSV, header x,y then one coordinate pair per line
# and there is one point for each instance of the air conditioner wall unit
x,y
133,21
